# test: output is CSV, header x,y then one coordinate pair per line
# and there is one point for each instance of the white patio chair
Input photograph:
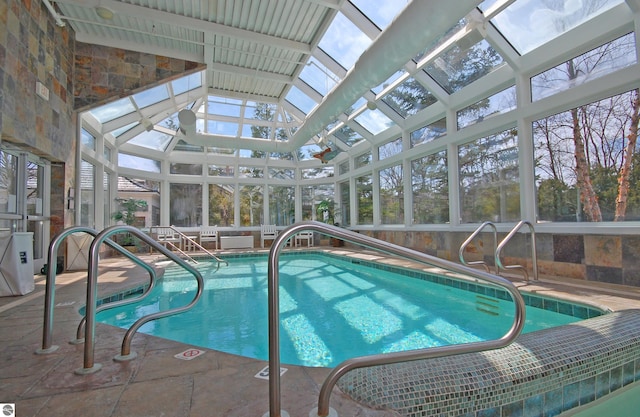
x,y
267,232
304,236
167,236
209,234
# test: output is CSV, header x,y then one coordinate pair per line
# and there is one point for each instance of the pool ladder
x,y
499,247
91,308
323,408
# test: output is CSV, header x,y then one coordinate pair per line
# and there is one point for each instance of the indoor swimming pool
x,y
333,308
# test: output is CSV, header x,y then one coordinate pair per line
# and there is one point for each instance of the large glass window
x,y
251,200
8,182
430,188
364,199
281,205
430,132
221,199
343,211
311,197
391,195
87,194
594,64
587,164
185,205
498,103
489,179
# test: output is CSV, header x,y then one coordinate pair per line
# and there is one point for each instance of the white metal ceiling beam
x,y
419,24
190,23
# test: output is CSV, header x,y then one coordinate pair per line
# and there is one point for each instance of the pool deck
x,y
156,383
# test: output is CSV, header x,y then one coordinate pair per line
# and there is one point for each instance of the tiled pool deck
x,y
158,384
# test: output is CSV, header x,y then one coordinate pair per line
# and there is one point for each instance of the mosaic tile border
x,y
541,374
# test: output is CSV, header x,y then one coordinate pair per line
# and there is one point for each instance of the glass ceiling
x,y
148,120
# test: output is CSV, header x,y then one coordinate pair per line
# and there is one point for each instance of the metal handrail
x,y
534,257
380,359
470,239
92,292
50,284
184,237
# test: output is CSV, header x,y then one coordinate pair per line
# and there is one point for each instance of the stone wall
x,y
598,258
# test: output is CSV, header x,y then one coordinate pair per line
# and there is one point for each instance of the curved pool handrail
x,y
534,257
92,292
380,359
126,301
50,283
470,239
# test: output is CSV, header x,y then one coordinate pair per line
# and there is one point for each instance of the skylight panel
x,y
222,128
528,24
300,100
188,83
136,162
124,129
380,12
112,111
409,98
348,136
374,121
152,140
463,63
319,77
151,96
344,42
224,106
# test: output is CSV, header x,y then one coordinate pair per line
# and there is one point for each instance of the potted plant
x,y
127,215
327,211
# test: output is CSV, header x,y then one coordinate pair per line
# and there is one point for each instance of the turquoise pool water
x,y
331,310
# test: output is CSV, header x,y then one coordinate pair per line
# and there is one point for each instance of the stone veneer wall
x,y
599,258
103,74
33,48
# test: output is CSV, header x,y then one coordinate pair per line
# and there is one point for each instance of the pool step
x,y
487,305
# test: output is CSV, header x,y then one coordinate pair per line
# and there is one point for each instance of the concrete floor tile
x,y
167,397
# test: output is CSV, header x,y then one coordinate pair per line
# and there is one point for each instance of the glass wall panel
x,y
108,205
391,195
498,103
343,168
600,61
8,183
320,172
35,189
364,199
221,171
88,139
282,173
250,172
362,160
312,196
221,198
389,149
185,205
430,132
185,169
430,188
251,200
489,179
87,194
281,205
587,164
343,211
